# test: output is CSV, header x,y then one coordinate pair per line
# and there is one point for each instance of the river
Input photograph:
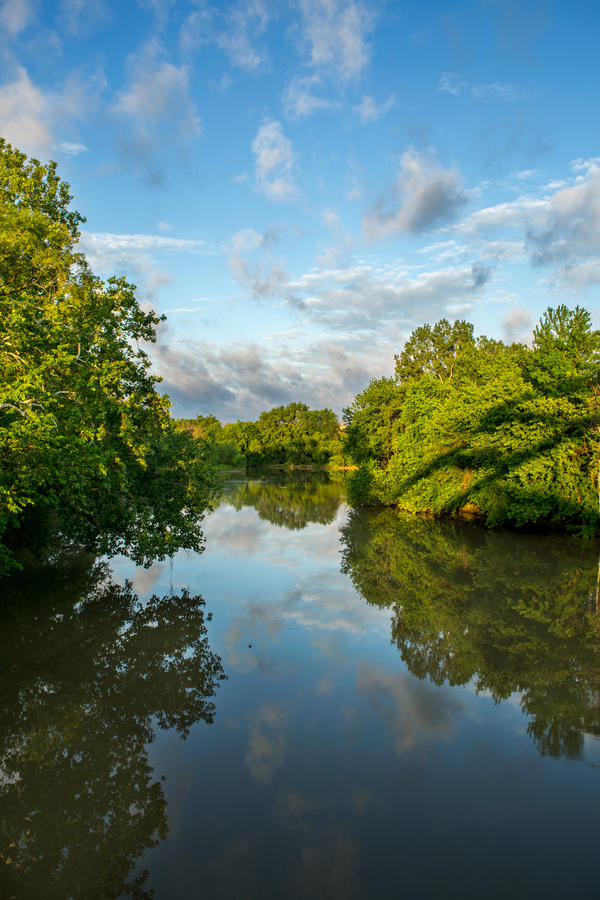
x,y
325,703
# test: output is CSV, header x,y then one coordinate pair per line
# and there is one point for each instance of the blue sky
x,y
298,185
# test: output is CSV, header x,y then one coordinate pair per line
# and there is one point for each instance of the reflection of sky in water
x,y
330,770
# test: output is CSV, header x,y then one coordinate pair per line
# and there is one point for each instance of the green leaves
x,y
509,432
82,427
434,351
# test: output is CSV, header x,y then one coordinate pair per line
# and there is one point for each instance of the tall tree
x,y
83,430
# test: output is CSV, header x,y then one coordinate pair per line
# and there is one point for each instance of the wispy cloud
x,y
235,30
451,83
15,16
72,148
274,162
245,23
137,256
335,34
154,110
368,110
299,99
158,92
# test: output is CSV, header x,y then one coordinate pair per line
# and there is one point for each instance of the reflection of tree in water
x,y
290,499
87,671
515,612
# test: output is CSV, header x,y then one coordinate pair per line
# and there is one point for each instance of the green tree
x,y
434,350
370,421
83,430
507,432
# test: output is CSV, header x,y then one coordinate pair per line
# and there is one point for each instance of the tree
x,y
83,430
505,432
434,351
370,421
566,351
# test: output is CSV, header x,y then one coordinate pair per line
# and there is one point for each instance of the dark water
x,y
378,706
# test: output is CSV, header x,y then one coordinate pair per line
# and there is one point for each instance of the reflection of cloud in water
x,y
145,579
333,606
235,533
414,711
333,614
267,745
242,532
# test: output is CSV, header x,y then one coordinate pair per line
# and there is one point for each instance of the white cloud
x,y
450,83
72,148
578,276
498,90
15,15
27,115
299,100
31,118
335,32
136,256
274,162
560,229
370,112
246,23
118,243
365,298
158,92
517,325
235,31
350,323
261,280
424,195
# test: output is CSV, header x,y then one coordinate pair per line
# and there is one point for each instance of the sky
x,y
298,184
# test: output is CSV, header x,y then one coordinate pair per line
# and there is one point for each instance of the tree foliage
x,y
507,432
83,430
285,435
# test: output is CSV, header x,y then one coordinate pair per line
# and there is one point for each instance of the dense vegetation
x,y
511,433
85,438
282,436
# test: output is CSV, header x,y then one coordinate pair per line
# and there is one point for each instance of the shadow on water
x,y
513,613
89,672
290,500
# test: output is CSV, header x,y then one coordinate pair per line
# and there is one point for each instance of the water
x,y
378,705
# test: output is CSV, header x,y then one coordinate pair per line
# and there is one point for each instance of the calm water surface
x,y
361,705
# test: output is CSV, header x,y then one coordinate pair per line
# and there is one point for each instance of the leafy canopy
x,y
83,430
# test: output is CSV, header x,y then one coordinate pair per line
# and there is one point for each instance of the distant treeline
x,y
472,425
285,435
